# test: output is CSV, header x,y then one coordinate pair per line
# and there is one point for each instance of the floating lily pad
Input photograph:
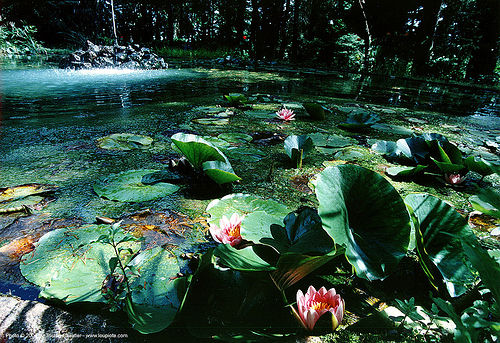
x,y
217,142
246,153
128,187
124,142
20,204
352,153
331,141
260,114
394,129
259,214
22,191
196,149
211,121
235,137
68,266
359,119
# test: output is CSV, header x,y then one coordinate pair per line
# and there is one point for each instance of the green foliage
x,y
296,147
439,230
128,187
487,201
16,40
236,99
359,119
363,212
316,111
204,156
124,142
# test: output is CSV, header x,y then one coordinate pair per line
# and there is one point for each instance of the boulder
x,y
118,56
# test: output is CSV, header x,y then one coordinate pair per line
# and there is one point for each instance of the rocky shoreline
x,y
118,56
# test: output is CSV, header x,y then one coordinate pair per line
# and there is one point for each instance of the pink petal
x,y
311,318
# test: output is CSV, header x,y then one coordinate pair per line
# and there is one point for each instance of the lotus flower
x,y
228,231
285,114
314,304
454,179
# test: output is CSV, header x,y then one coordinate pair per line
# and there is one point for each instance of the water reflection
x,y
54,92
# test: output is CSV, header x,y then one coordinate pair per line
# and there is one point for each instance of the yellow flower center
x,y
318,306
234,231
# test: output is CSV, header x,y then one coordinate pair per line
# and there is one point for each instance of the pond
x,y
53,121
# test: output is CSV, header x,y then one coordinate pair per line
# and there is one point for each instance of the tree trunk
x,y
295,30
425,36
368,39
484,57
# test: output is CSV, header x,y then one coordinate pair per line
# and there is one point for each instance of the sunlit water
x,y
50,120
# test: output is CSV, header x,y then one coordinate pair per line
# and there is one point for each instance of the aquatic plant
x,y
312,305
124,142
205,157
454,179
359,119
235,99
228,231
296,147
315,111
285,114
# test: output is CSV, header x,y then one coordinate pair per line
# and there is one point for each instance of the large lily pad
x,y
439,231
487,201
124,142
128,187
220,172
235,137
316,111
259,214
196,149
331,141
155,298
69,266
363,212
296,147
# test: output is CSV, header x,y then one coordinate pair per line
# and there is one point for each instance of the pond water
x,y
50,121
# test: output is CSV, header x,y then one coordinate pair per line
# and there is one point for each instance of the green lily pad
x,y
359,119
220,172
211,121
124,142
260,114
69,265
405,171
296,147
487,201
393,129
128,187
352,153
439,231
259,214
363,212
235,137
217,142
155,296
331,141
315,110
196,149
246,153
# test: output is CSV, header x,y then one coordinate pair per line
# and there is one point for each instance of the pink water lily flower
x,y
454,179
314,304
285,114
228,231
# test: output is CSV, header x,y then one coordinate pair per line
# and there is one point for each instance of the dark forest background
x,y
452,39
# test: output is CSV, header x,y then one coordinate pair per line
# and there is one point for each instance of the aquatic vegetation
x,y
236,99
297,147
432,153
487,201
359,119
128,187
314,304
22,191
205,157
358,206
285,114
316,111
228,231
124,142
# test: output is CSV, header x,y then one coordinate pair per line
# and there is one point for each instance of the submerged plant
x,y
228,231
314,304
285,114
